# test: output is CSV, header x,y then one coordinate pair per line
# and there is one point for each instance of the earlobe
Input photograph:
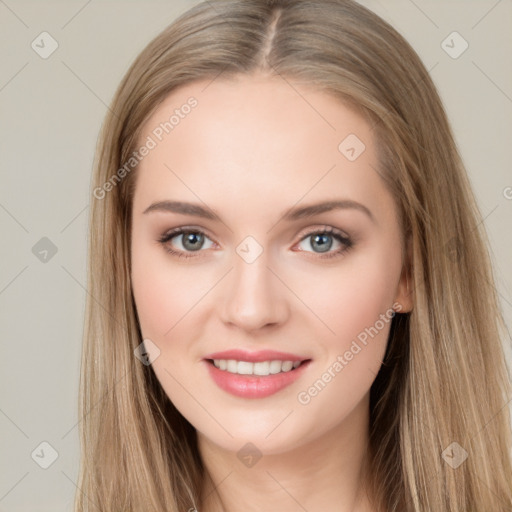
x,y
404,299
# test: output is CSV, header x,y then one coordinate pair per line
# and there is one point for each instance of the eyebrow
x,y
290,215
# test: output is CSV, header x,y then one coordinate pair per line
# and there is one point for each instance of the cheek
x,y
151,294
357,308
354,303
352,297
164,293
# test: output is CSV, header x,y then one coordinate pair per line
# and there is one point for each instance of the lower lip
x,y
254,386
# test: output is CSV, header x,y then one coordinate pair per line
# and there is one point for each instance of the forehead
x,y
256,108
256,137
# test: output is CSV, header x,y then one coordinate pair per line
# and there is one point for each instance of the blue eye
x,y
322,241
193,241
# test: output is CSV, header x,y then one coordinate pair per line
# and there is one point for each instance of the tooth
x,y
262,368
287,366
232,366
245,368
275,366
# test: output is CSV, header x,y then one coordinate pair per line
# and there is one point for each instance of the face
x,y
244,261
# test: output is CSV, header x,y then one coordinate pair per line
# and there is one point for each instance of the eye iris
x,y
193,241
325,242
196,239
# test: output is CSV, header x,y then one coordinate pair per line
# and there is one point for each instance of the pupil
x,y
193,241
190,239
324,246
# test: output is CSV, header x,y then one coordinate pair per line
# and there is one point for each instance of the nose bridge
x,y
253,297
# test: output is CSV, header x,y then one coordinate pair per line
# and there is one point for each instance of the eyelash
x,y
327,230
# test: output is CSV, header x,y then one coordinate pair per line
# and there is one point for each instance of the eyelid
x,y
342,237
302,234
185,229
346,241
325,228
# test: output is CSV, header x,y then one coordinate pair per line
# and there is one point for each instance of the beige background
x,y
51,111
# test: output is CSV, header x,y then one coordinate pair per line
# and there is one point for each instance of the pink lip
x,y
255,357
254,386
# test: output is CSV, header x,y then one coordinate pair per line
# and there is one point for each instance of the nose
x,y
253,297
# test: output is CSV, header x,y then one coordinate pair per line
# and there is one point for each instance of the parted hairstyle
x,y
444,378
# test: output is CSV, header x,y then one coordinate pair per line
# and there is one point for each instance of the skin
x,y
253,148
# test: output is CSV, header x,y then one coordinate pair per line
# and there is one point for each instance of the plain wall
x,y
51,112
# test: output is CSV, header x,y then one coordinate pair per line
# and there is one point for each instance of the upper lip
x,y
254,357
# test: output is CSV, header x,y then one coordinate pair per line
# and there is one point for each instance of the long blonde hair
x,y
444,379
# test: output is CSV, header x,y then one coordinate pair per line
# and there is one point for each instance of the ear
x,y
404,295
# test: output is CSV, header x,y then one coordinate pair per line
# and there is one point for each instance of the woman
x,y
291,300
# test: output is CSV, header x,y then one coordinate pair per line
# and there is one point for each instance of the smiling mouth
x,y
258,369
